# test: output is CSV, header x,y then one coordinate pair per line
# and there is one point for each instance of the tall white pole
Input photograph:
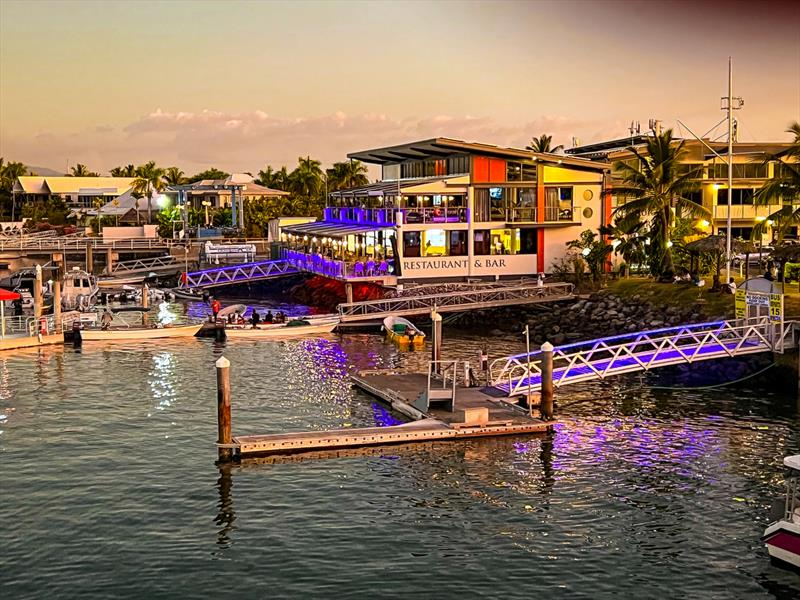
x,y
729,236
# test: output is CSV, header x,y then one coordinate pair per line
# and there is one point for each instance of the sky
x,y
242,84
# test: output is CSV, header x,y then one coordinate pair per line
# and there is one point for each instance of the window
x,y
513,171
458,243
504,241
411,244
457,165
528,241
481,243
743,233
696,197
696,169
558,204
481,205
435,242
739,196
740,171
497,204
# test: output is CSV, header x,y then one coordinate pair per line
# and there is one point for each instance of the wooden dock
x,y
475,414
18,342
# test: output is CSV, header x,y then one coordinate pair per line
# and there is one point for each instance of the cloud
x,y
248,141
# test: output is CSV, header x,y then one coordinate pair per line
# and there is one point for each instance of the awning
x,y
391,188
330,229
6,295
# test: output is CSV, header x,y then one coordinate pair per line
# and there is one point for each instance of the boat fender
x,y
42,326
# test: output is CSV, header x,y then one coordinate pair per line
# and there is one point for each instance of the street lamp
x,y
207,203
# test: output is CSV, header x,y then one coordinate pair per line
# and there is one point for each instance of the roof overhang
x,y
331,229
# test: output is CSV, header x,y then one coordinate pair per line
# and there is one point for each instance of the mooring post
x,y
436,342
37,295
57,304
89,257
110,261
224,408
546,402
348,290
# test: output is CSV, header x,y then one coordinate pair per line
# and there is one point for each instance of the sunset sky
x,y
239,85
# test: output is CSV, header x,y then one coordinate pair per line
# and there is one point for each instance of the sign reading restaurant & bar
x,y
448,266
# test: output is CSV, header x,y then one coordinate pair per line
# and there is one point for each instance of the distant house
x,y
77,192
218,191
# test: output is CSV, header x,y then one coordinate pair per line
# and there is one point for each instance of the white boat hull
x,y
782,539
142,333
280,331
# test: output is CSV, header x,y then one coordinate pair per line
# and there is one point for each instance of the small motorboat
x,y
293,328
80,290
403,332
140,333
782,537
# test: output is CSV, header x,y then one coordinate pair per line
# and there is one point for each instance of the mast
x,y
728,235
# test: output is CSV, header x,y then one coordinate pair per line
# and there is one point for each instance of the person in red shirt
x,y
215,308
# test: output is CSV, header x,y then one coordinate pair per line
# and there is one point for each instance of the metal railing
x,y
57,244
435,214
454,301
340,269
601,358
145,264
237,274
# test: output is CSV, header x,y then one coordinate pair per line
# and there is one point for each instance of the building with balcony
x,y
749,174
77,192
448,210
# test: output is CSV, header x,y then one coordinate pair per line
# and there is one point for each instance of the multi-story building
x,y
749,173
77,192
445,209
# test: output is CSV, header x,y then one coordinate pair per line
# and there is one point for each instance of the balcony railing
x,y
745,211
554,213
367,216
338,269
435,214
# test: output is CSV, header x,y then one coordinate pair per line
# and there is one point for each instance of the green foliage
x,y
784,189
149,183
126,171
348,174
221,217
542,144
791,272
165,218
53,210
174,176
654,191
81,170
594,252
212,173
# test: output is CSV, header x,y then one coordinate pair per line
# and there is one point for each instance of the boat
x,y
782,537
140,333
291,329
403,332
79,290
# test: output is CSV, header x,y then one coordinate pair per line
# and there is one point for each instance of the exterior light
x,y
716,186
669,244
586,251
305,238
770,222
314,239
162,201
761,219
703,223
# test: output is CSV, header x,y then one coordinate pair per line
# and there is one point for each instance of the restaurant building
x,y
448,210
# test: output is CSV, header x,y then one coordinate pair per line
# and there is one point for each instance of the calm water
x,y
109,487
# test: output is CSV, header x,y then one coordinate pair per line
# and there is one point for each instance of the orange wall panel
x,y
497,170
480,169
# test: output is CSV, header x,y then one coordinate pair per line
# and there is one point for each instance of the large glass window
x,y
518,171
497,203
558,204
504,241
739,197
528,241
482,242
458,243
411,243
740,171
435,242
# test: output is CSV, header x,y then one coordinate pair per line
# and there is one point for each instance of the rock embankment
x,y
599,315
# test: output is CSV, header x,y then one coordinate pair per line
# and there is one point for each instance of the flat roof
x,y
441,147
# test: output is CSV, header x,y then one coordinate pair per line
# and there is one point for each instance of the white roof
x,y
793,462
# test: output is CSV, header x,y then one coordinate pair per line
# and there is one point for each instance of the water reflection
x,y
226,515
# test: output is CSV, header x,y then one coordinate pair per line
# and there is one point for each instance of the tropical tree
x,y
347,174
277,180
783,188
81,170
306,182
174,176
148,182
9,172
542,144
655,191
126,171
212,173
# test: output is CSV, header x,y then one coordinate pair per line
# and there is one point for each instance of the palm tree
x,y
277,180
348,174
9,172
542,144
174,176
306,180
81,170
149,181
784,188
653,190
126,171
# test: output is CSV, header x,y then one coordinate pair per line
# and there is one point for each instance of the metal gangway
x,y
146,265
643,351
79,244
242,273
458,301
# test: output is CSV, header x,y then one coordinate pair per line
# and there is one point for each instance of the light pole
x,y
206,204
528,351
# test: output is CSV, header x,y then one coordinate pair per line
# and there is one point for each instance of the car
x,y
754,258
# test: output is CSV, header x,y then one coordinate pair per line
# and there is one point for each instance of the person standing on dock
x,y
106,320
255,319
215,308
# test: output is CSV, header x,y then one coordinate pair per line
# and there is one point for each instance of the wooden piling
x,y
37,294
109,261
57,303
436,342
348,290
224,409
546,402
89,257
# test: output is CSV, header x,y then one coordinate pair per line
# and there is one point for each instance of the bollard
x,y
224,408
109,261
436,342
348,290
37,294
89,257
546,402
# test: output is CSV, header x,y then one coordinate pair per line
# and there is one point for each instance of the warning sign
x,y
741,304
776,307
